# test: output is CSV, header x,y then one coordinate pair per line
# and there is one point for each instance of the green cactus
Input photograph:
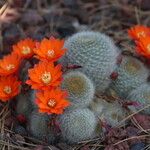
x,y
23,72
78,125
96,53
32,99
80,89
24,105
38,127
141,95
131,74
112,113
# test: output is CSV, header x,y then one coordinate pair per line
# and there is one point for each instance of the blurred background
x,y
62,18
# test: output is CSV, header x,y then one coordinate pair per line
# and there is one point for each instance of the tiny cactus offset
x,y
83,92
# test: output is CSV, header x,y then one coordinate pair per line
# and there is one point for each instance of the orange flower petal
x,y
52,101
137,32
9,87
50,49
45,76
9,64
24,48
143,47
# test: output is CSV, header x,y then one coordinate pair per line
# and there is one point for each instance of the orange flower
x,y
9,64
138,32
50,49
24,48
143,47
45,75
52,102
9,87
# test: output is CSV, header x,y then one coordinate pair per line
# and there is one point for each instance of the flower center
x,y
46,77
7,89
26,50
51,103
141,34
50,53
10,67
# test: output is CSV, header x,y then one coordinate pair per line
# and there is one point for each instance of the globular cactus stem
x,y
80,89
38,127
141,95
96,53
78,125
131,74
24,106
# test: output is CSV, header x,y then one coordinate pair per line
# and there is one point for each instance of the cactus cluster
x,y
95,53
141,95
78,123
131,74
97,56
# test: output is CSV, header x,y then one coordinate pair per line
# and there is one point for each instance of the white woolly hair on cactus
x,y
96,53
78,125
141,95
131,74
79,87
38,127
112,112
